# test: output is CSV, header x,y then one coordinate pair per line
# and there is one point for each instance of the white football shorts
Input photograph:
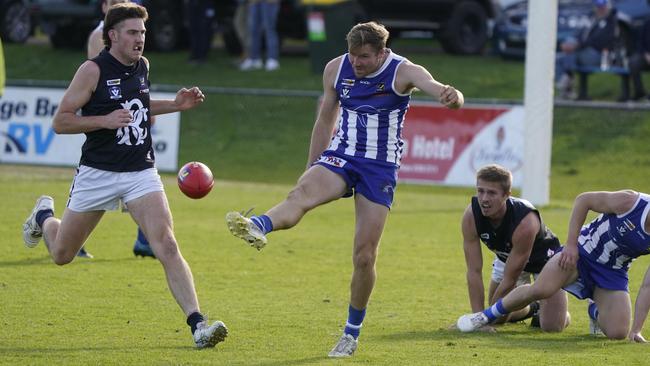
x,y
498,267
101,190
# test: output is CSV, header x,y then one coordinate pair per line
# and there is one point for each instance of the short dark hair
x,y
119,12
371,33
496,174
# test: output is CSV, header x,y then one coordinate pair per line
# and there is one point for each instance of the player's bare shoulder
x,y
468,223
331,71
87,75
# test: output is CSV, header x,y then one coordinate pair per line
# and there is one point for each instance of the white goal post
x,y
538,99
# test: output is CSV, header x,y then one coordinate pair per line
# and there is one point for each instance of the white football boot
x,y
345,347
242,227
32,232
471,322
208,336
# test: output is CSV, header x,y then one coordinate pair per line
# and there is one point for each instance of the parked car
x,y
573,17
68,22
461,26
15,21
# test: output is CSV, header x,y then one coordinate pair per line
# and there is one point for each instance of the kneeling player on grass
x,y
594,265
513,229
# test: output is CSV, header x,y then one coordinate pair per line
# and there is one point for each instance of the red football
x,y
195,179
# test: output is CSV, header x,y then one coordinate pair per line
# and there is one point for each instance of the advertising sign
x,y
445,146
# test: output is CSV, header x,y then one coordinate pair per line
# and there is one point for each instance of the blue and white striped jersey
x,y
372,113
616,240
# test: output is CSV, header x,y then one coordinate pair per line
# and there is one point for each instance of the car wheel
x,y
466,30
15,22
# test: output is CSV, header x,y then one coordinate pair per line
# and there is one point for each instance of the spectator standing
x,y
262,17
241,28
200,16
638,62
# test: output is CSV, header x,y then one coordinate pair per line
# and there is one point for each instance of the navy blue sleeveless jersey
x,y
616,240
499,239
128,148
372,113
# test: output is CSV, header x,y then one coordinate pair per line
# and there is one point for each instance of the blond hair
x,y
370,33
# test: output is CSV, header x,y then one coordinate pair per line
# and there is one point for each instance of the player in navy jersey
x,y
593,265
117,160
141,245
513,229
366,96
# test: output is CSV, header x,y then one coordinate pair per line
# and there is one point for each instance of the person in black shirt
x,y
117,160
638,62
513,229
587,49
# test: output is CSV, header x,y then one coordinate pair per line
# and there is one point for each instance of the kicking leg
x,y
318,185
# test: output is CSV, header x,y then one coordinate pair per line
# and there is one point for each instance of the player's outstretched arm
x,y
602,202
410,76
66,120
185,99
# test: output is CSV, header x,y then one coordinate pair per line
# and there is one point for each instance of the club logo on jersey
x,y
347,82
115,92
625,227
332,160
485,236
380,87
142,80
113,82
345,93
134,133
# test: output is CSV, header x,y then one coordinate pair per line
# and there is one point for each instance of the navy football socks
x,y
141,238
43,215
194,319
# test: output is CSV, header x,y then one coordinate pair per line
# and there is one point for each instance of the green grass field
x,y
286,305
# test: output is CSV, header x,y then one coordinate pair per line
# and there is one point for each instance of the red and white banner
x,y
444,146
